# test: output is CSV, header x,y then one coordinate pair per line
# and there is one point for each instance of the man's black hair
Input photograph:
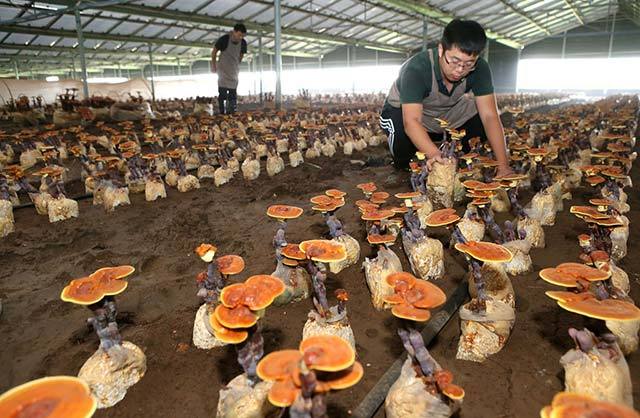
x,y
240,27
467,35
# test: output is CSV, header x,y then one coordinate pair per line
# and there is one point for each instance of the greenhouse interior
x,y
202,201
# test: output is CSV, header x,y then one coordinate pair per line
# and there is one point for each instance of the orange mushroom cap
x,y
366,204
226,335
401,280
283,393
408,195
453,391
379,197
425,295
367,187
50,397
377,215
343,379
573,405
563,295
92,289
485,251
568,274
206,252
323,251
294,252
406,311
234,318
327,353
594,180
589,211
607,309
322,200
278,365
442,217
601,202
256,293
376,239
289,262
472,184
335,193
230,264
284,211
609,221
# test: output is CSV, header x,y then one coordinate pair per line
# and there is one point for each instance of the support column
x,y
613,29
377,58
119,70
278,42
260,63
15,68
179,68
517,68
73,68
83,62
153,84
564,45
486,51
425,29
348,56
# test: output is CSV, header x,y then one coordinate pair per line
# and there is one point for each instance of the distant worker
x,y
232,48
449,82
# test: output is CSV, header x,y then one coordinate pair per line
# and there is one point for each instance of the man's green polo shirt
x,y
414,81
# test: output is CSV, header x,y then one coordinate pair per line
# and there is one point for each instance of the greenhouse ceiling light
x,y
377,48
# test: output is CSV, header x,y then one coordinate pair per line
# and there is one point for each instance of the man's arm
x,y
412,120
488,111
214,56
241,56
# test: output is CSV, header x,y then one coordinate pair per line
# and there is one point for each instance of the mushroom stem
x,y
412,226
586,341
494,229
308,405
334,224
104,322
279,239
414,345
250,352
318,274
481,298
516,208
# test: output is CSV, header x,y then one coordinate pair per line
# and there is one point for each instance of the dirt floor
x,y
41,335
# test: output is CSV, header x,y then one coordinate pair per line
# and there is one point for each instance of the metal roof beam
x,y
125,38
443,18
177,15
575,11
525,16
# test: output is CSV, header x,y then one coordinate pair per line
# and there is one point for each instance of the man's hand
x,y
214,68
503,171
436,158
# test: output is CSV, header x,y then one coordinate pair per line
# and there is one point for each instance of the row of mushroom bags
x,y
552,154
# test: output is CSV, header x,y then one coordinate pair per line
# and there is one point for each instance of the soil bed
x,y
42,335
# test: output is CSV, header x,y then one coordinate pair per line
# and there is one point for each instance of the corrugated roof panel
x,y
44,40
220,7
194,34
68,22
19,38
100,25
126,28
151,30
8,12
248,9
182,5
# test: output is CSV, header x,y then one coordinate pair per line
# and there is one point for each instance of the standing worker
x,y
232,48
449,82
